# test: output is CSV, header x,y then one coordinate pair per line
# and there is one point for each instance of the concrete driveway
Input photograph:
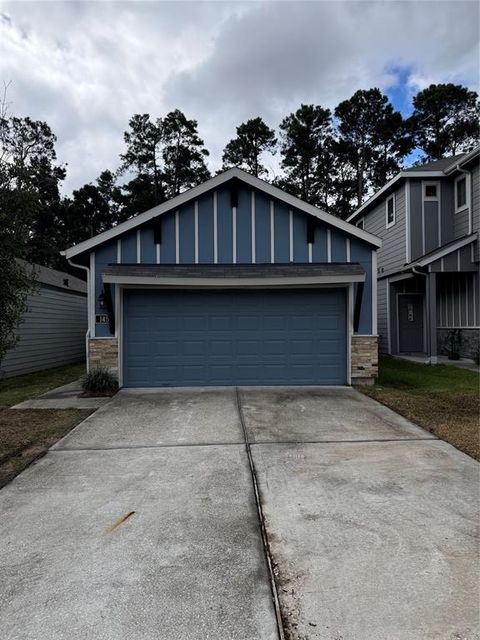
x,y
142,523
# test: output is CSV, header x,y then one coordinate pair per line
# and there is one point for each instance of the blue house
x,y
232,282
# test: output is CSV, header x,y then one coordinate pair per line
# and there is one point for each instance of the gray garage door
x,y
245,337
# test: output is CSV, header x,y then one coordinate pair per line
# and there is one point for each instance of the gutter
x,y
456,166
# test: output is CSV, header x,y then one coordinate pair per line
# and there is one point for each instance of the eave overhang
x,y
231,276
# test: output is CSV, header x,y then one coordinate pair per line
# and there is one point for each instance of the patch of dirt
x,y
27,434
451,417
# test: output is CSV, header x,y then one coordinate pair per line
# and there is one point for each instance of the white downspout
x,y
89,302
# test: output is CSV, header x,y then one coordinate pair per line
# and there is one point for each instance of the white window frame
x,y
387,223
463,207
360,223
432,183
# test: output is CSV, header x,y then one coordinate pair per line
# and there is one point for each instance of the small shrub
x,y
100,380
476,354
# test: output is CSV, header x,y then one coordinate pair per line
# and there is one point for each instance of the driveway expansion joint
x,y
263,530
177,445
149,446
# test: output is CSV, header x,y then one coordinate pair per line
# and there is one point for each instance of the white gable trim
x,y
214,183
442,252
400,176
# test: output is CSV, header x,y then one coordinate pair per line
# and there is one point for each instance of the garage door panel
x,y
221,323
247,348
234,337
164,323
194,348
248,323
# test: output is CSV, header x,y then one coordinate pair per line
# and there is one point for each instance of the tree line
x,y
331,158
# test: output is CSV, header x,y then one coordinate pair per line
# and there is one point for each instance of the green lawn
x,y
31,385
420,378
442,399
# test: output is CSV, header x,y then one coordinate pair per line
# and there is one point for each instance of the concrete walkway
x,y
142,523
65,397
463,363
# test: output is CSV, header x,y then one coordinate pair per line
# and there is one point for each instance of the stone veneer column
x,y
364,359
103,352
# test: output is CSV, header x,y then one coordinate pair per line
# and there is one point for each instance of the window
x,y
391,211
430,190
361,223
461,193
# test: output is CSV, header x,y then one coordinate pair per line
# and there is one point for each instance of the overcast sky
x,y
85,68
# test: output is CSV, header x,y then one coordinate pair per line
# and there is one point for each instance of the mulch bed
x,y
27,434
97,394
451,417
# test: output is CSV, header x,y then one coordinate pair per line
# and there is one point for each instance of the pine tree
x,y
254,138
445,120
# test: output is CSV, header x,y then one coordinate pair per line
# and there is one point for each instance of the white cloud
x,y
85,68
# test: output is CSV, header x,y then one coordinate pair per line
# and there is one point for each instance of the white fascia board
x,y
214,183
459,163
292,201
229,283
400,176
441,253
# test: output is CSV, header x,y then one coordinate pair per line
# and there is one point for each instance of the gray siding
x,y
460,260
476,206
416,226
382,316
461,223
457,300
52,332
447,207
431,222
391,256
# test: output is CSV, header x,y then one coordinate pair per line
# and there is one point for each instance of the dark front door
x,y
410,324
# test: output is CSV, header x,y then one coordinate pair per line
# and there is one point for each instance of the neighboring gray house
x,y
52,331
232,282
428,266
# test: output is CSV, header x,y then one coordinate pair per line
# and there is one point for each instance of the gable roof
x,y
214,183
438,165
436,169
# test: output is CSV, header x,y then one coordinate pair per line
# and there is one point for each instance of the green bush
x,y
100,380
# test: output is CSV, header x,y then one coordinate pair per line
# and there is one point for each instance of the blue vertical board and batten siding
x,y
205,229
242,244
104,255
